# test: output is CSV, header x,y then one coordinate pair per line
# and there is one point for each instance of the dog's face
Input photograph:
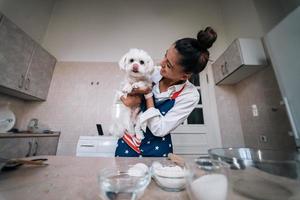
x,y
137,63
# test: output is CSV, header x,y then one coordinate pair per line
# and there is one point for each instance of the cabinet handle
x,y
29,149
36,148
21,81
27,84
87,145
225,67
222,70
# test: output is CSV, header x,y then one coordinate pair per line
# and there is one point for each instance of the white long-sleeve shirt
x,y
185,103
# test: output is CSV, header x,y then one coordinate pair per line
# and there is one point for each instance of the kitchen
x,y
250,113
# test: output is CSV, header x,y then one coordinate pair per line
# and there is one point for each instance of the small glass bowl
x,y
123,182
169,177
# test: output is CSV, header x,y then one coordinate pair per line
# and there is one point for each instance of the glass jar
x,y
207,179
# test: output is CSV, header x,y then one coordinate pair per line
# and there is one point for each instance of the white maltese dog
x,y
138,66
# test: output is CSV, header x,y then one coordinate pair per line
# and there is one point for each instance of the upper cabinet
x,y
242,58
26,68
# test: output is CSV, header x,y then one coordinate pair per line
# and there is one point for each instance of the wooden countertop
x,y
74,178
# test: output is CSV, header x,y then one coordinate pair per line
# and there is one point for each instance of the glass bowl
x,y
168,176
207,179
261,173
123,182
274,162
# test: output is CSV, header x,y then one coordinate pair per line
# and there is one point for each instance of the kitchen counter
x,y
72,178
28,134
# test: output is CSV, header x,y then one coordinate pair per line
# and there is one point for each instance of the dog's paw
x,y
127,89
140,84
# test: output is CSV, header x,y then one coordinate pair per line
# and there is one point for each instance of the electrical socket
x,y
263,138
254,110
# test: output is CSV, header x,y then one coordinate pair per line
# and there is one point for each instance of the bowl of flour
x,y
168,176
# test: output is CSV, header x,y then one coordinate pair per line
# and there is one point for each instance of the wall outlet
x,y
254,110
263,138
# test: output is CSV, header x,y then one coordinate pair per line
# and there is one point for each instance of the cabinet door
x,y
45,146
15,52
15,147
219,70
233,57
40,73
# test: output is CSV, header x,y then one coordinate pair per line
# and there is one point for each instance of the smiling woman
x,y
172,98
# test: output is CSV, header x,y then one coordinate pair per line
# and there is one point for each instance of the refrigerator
x,y
283,46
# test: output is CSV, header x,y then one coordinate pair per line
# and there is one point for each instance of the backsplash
x,y
238,125
272,121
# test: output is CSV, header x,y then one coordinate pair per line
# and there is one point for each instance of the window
x,y
196,117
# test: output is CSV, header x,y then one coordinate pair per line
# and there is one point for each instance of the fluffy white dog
x,y
138,66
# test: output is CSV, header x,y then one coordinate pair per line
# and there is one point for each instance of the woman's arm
x,y
161,125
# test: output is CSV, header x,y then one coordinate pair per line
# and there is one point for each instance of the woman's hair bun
x,y
206,38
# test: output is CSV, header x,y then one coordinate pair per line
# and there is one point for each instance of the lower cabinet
x,y
26,146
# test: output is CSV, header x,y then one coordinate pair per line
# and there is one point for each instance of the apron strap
x,y
176,94
132,141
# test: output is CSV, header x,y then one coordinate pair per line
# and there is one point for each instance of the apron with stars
x,y
151,146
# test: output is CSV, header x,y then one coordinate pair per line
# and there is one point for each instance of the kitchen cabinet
x,y
26,68
40,72
25,145
242,58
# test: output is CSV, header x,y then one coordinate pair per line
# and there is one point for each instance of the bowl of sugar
x,y
207,179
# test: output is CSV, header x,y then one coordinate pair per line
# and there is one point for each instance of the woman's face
x,y
170,67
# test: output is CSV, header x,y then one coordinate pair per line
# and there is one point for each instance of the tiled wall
x,y
74,106
239,128
229,118
272,121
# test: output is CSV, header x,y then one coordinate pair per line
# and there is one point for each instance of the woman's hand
x,y
144,90
131,100
134,98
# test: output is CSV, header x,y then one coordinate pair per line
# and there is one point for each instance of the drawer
x,y
87,146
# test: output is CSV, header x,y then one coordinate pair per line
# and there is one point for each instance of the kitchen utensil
x,y
176,159
7,164
7,118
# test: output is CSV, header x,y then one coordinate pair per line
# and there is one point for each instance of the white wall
x,y
240,19
104,30
30,15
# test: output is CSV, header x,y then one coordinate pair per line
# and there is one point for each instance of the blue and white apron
x,y
151,146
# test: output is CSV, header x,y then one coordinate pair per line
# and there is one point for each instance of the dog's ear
x,y
122,62
150,66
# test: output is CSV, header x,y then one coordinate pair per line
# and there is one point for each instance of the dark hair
x,y
194,51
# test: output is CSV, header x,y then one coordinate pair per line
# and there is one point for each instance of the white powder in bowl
x,y
138,169
169,177
208,187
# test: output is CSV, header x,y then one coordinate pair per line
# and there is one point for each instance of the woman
x,y
172,98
